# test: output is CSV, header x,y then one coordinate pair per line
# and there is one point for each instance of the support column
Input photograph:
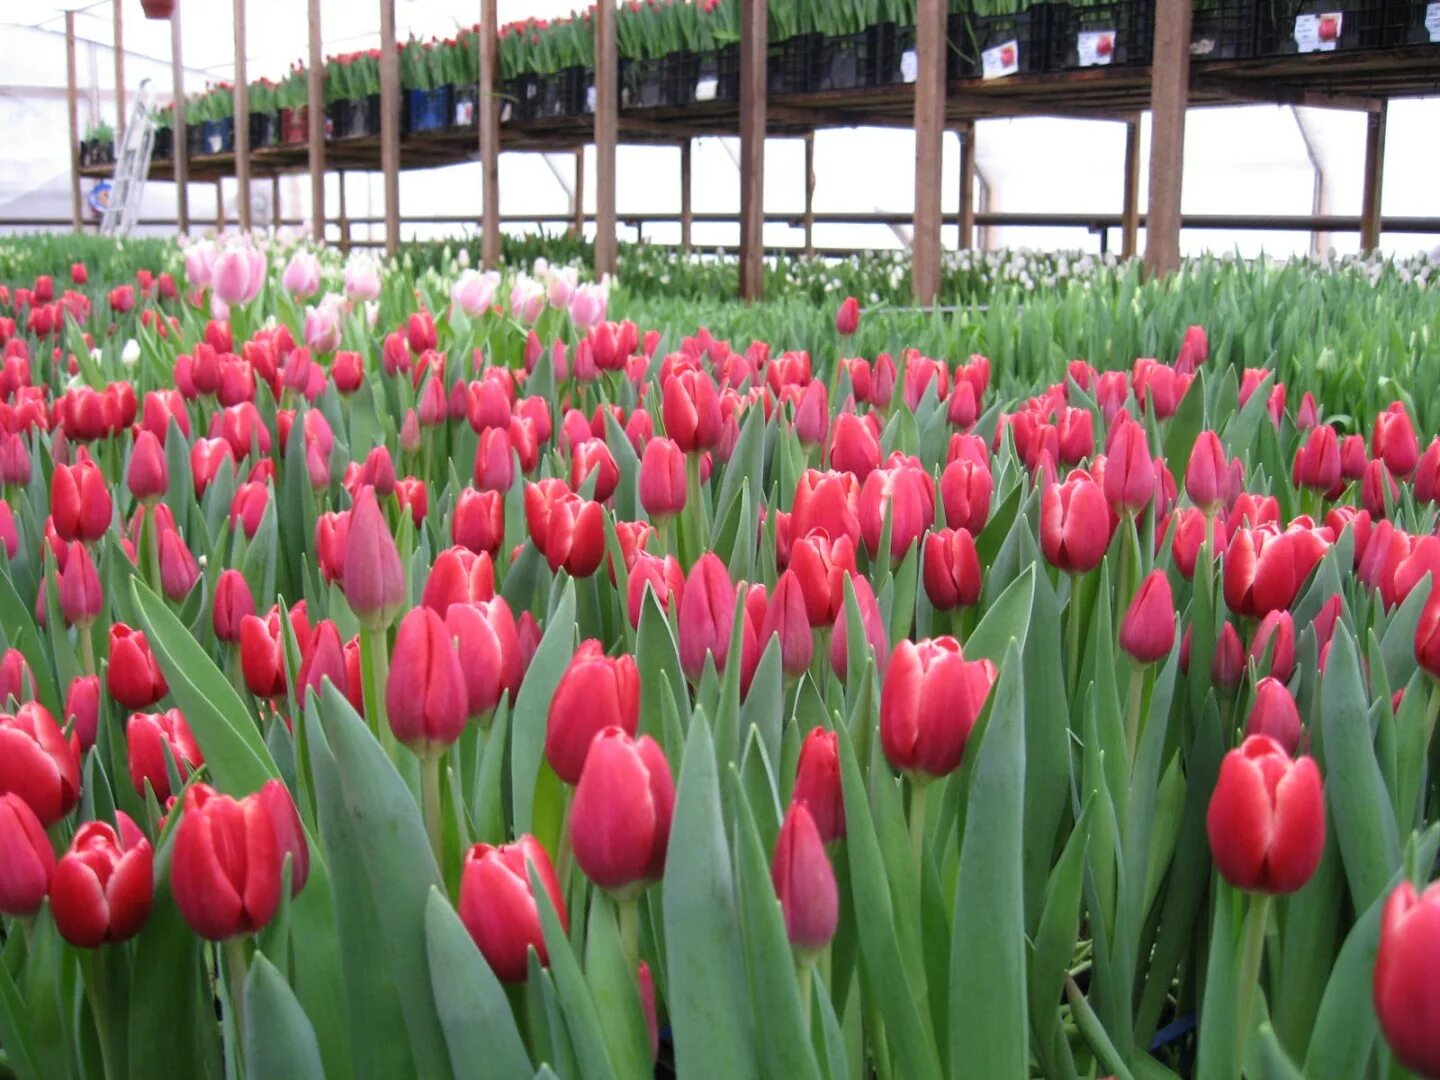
x,y
687,217
315,115
275,216
72,105
1169,92
1130,209
390,124
219,204
607,123
242,121
966,214
929,133
181,152
344,217
119,74
577,197
489,106
1374,178
809,218
753,47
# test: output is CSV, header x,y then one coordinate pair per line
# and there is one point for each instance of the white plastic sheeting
x,y
1251,160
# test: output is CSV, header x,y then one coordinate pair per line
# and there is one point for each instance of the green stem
x,y
374,672
430,799
804,976
1432,710
1072,630
919,789
1122,576
627,912
97,995
1252,952
235,965
87,650
150,540
1132,711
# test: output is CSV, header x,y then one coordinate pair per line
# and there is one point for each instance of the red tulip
x,y
847,318
707,615
1227,666
374,578
421,332
149,736
1317,463
828,501
1147,632
1075,525
854,446
82,712
965,488
1427,474
620,819
662,479
690,407
478,522
1264,571
1266,819
595,692
459,576
498,905
1427,636
178,569
593,457
148,475
494,460
488,642
207,457
233,602
1276,633
805,882
817,783
951,570
568,530
812,414
1274,715
37,764
101,889
877,637
930,701
785,616
1129,469
80,502
1407,973
348,372
905,492
1206,473
1393,440
81,598
26,858
425,697
821,567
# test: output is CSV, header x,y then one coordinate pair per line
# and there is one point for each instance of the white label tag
x,y
1432,21
1095,47
1317,33
1001,60
909,65
464,114
506,108
706,88
590,99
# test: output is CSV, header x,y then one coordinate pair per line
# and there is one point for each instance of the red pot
x,y
158,9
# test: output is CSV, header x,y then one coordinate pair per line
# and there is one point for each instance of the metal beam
x,y
607,119
119,73
1130,206
242,121
929,159
577,196
965,217
754,48
315,118
489,123
809,219
181,150
686,209
1370,221
72,106
1168,95
390,124
1241,90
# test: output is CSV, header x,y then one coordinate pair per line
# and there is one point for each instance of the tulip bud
x,y
965,488
817,783
324,659
37,764
1317,463
1393,441
459,576
620,819
1147,632
80,502
27,860
1075,525
498,904
847,318
101,889
148,737
233,602
148,475
877,637
930,701
478,522
1206,476
707,615
374,577
595,692
488,643
1277,629
1407,973
1227,666
1274,714
951,569
425,696
82,712
812,414
805,883
854,446
81,597
1266,819
1129,469
662,479
821,567
785,616
690,407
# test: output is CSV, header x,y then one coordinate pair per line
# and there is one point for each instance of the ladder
x,y
132,166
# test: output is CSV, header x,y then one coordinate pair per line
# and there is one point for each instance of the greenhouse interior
x,y
838,539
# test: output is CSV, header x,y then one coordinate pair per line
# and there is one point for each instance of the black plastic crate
x,y
892,54
1118,33
1036,34
844,62
1349,25
1412,22
561,93
264,130
679,72
799,65
689,77
164,148
642,84
962,56
1227,30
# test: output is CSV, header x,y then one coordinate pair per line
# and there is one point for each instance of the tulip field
x,y
407,670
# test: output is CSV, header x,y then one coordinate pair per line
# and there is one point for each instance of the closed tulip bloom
x,y
37,764
148,736
1393,440
690,407
812,414
785,616
459,576
488,643
662,479
817,783
951,569
847,318
148,475
854,446
425,696
1264,571
1129,469
930,701
262,655
905,492
347,371
374,577
707,615
1317,463
805,883
1274,714
620,819
82,711
821,567
877,637
1147,631
965,488
1275,634
595,692
102,888
1227,666
1075,525
178,569
420,332
226,869
1427,636
494,460
80,502
26,858
1378,490
1206,474
662,576
1266,819
498,905
81,597
1407,975
233,602
593,457
207,458
1427,474
478,521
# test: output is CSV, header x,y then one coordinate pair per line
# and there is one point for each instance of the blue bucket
x,y
429,110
